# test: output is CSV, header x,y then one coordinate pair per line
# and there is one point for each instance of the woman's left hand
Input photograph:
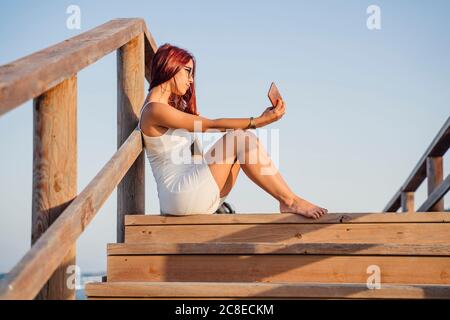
x,y
272,114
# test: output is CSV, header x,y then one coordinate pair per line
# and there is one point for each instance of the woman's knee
x,y
235,143
239,137
245,141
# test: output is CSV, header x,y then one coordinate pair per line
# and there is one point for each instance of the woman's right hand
x,y
271,114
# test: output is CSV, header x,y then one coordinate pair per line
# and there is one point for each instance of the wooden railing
x,y
59,214
430,166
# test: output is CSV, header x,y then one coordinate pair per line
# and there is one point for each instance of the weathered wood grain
x,y
285,218
243,248
55,172
130,98
437,148
239,290
28,77
435,176
437,194
420,233
26,279
278,268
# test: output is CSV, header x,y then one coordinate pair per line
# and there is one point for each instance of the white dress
x,y
184,187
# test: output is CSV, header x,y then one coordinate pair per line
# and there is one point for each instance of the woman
x,y
168,119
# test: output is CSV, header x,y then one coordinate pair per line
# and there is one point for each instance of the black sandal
x,y
225,208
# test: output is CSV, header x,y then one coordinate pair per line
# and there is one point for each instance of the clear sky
x,y
362,105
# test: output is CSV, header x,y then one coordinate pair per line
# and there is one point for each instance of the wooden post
x,y
407,201
130,98
55,172
435,176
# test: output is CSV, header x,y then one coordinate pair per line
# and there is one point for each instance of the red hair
x,y
166,62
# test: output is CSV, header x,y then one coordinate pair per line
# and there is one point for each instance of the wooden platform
x,y
279,256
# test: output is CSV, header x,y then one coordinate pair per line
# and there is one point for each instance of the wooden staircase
x,y
275,256
279,256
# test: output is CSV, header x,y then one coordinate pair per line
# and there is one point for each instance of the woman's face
x,y
183,79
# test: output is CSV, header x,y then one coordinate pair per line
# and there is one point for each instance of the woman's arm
x,y
223,124
163,115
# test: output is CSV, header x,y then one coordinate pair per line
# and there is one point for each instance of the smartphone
x,y
274,94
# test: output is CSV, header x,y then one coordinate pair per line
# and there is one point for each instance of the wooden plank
x,y
407,199
286,218
213,248
425,233
35,268
435,175
55,172
130,97
32,75
279,268
437,148
264,290
437,194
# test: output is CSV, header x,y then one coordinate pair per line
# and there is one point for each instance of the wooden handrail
x,y
436,195
30,274
28,77
437,149
49,76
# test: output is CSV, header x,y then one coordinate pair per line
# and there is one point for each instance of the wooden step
x,y
422,228
240,290
368,217
246,248
278,262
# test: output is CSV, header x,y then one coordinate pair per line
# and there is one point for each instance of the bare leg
x,y
231,180
254,161
225,173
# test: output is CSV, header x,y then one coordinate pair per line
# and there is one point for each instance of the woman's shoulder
x,y
155,109
156,104
148,126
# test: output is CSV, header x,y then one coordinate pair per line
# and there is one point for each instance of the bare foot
x,y
303,207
